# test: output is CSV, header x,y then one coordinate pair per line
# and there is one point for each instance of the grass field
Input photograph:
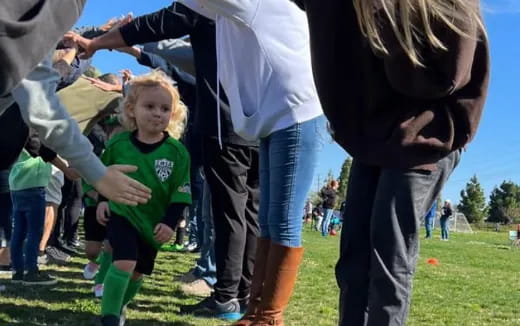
x,y
477,283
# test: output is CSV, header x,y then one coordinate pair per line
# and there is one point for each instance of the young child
x,y
153,111
28,178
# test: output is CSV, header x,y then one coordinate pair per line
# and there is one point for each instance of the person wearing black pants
x,y
233,177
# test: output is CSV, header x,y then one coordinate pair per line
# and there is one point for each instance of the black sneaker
x,y
17,277
211,308
69,250
57,256
5,269
110,320
243,302
39,278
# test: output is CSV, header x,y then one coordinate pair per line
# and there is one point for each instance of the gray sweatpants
x,y
380,240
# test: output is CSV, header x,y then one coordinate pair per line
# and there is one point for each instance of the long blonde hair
x,y
412,20
155,78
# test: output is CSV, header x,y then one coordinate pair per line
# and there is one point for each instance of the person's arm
x,y
41,109
171,22
176,52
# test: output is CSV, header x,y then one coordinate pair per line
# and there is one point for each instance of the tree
x,y
343,180
504,203
473,201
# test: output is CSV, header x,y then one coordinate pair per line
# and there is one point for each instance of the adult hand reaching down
x,y
118,187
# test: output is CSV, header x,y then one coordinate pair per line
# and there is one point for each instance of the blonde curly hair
x,y
156,78
412,22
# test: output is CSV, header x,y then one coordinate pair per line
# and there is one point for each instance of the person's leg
x,y
443,228
124,240
72,213
252,227
428,227
227,171
6,210
402,197
354,260
19,233
447,229
51,211
292,155
35,203
326,222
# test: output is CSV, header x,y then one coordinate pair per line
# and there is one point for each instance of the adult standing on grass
x,y
264,66
329,195
446,214
403,84
429,220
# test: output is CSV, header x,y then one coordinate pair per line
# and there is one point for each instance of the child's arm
x,y
164,230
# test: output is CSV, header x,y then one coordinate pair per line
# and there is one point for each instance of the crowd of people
x,y
224,136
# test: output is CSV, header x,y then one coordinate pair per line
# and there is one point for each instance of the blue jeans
x,y
445,228
288,159
428,225
28,217
206,266
327,215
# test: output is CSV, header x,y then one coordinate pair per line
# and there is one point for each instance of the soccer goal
x,y
458,223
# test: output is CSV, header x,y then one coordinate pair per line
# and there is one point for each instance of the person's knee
x,y
136,276
125,265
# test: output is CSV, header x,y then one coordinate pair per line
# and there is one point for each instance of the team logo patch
x,y
185,189
163,169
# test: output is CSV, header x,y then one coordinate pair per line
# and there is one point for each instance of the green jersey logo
x,y
163,169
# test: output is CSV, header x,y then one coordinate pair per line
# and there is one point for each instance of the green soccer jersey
x,y
165,170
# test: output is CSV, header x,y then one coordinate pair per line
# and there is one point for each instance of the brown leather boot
x,y
257,282
282,270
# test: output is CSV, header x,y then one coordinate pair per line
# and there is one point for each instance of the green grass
x,y
477,283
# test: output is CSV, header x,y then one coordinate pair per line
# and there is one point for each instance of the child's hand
x,y
163,233
102,213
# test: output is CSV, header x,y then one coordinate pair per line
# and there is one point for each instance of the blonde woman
x,y
403,84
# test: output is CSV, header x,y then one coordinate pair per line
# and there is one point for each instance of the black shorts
x,y
127,244
93,230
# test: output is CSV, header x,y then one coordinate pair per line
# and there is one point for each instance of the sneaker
x,y
172,247
39,278
43,259
187,277
5,269
197,287
98,290
17,277
69,250
57,256
192,247
178,247
90,270
211,308
122,316
243,302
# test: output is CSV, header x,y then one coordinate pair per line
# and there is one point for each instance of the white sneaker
x,y
90,270
98,290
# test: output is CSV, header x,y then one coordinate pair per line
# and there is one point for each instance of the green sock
x,y
114,289
105,260
132,290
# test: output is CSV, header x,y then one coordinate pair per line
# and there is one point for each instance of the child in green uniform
x,y
153,111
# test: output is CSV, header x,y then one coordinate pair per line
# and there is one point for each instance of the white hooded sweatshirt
x,y
264,64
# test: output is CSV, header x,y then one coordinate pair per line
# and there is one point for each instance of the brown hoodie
x,y
385,111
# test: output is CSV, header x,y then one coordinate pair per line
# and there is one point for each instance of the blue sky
x,y
494,155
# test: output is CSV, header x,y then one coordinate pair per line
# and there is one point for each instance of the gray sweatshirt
x,y
41,109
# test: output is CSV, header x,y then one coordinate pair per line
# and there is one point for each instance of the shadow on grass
x,y
19,312
51,294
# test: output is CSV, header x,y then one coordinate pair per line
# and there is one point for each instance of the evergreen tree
x,y
343,180
473,201
504,203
